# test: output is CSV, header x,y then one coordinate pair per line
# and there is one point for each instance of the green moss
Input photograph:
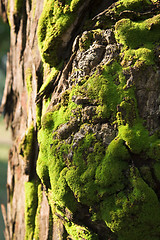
x,y
26,145
50,77
139,56
60,116
136,34
28,79
37,217
157,170
108,89
127,112
89,177
42,168
81,173
18,5
109,174
87,172
154,150
69,181
147,176
86,40
62,196
133,214
65,98
136,138
79,232
75,4
132,5
38,115
31,203
55,19
100,178
51,169
138,39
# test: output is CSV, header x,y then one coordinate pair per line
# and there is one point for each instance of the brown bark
x,y
19,108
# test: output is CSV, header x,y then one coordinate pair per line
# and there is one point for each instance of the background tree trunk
x,y
82,100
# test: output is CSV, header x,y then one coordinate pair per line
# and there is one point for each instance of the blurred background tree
x,y
4,136
4,47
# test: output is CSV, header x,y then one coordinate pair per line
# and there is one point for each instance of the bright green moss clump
x,y
136,137
138,39
55,19
135,34
110,172
78,232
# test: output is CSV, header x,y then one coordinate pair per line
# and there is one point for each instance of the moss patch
x,y
78,169
55,19
133,214
31,203
80,232
28,79
138,39
132,5
90,178
26,146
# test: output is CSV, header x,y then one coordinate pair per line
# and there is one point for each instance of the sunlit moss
x,y
31,203
138,39
106,178
55,19
80,232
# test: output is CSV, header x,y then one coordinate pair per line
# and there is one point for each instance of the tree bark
x,y
82,99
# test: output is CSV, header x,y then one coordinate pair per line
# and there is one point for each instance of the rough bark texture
x,y
82,99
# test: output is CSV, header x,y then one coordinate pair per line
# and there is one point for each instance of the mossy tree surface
x,y
90,153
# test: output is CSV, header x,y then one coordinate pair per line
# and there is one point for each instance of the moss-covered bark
x,y
88,138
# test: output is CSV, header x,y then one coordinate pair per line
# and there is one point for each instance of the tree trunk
x,y
82,99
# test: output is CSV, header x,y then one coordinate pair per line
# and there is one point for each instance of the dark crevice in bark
x,y
17,21
83,217
137,160
39,74
10,105
50,231
33,159
24,29
97,7
157,184
3,12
